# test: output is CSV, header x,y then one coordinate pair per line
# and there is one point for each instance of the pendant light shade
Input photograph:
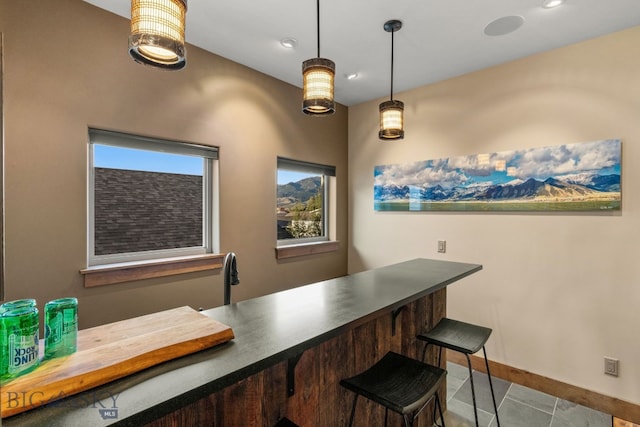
x,y
391,120
392,111
318,75
157,33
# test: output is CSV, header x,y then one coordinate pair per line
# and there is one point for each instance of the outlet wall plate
x,y
611,366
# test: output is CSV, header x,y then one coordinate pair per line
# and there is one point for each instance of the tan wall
x,y
560,290
67,68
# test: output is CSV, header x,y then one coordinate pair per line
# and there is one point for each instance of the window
x,y
149,198
302,206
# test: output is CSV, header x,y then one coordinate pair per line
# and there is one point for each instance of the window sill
x,y
110,274
292,251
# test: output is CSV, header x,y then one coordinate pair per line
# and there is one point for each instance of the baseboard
x,y
610,405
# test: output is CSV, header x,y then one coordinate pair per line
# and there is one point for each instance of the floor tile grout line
x,y
466,373
504,398
480,410
555,407
553,414
516,400
459,387
493,416
462,381
531,406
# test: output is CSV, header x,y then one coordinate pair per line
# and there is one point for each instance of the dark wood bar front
x,y
318,399
290,351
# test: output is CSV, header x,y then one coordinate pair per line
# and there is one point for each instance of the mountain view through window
x,y
300,205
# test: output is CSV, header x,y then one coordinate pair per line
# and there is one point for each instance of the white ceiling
x,y
439,39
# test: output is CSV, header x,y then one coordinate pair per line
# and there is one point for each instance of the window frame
x,y
327,173
210,182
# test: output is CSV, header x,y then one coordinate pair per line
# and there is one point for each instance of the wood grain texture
x,y
126,272
319,400
292,251
617,422
108,352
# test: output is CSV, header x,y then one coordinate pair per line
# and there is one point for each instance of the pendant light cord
x,y
391,95
318,24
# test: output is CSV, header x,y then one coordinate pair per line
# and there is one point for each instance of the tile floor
x,y
518,406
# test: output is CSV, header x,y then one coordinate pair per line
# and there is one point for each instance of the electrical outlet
x,y
611,366
442,246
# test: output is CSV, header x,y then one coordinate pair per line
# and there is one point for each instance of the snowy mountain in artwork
x,y
578,173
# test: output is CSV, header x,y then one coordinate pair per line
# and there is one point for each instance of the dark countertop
x,y
267,329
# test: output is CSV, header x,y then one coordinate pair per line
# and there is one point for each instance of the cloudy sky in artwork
x,y
599,157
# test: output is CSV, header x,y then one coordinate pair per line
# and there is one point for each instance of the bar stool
x,y
399,383
464,338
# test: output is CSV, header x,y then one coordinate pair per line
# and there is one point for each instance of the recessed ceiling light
x,y
351,76
289,42
504,25
548,4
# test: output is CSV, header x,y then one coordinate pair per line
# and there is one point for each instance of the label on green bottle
x,y
54,330
70,321
19,341
61,327
23,352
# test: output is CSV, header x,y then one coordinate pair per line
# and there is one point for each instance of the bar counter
x,y
290,350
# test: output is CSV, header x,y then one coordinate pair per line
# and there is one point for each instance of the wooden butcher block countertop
x,y
108,352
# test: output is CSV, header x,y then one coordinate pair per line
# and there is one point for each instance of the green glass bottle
x,y
61,327
18,341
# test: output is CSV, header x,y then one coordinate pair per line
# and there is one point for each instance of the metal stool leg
x,y
493,396
424,351
439,411
437,405
473,390
353,410
439,366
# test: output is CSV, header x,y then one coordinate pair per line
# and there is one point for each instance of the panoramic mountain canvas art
x,y
570,177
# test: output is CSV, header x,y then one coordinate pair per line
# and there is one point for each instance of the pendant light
x,y
391,111
317,81
157,33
